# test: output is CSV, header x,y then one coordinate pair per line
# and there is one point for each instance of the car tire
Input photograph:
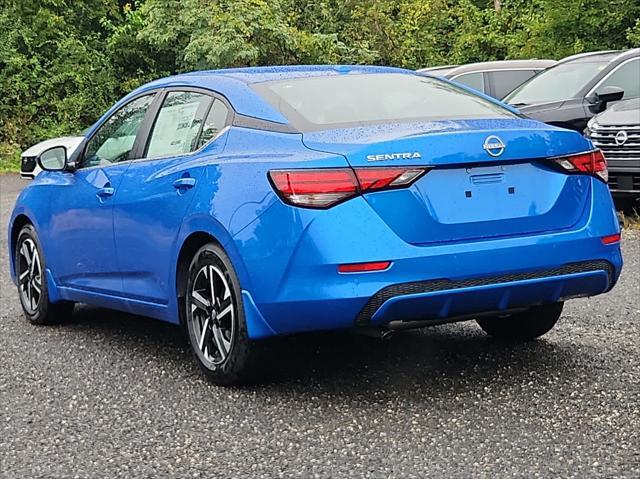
x,y
215,320
525,326
32,284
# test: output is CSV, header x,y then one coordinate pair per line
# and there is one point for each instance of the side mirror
x,y
606,95
53,159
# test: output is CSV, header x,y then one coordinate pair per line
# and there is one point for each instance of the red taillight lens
x,y
315,188
373,179
592,163
323,188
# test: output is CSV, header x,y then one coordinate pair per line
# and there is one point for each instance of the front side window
x,y
627,77
114,140
363,99
561,82
472,80
178,124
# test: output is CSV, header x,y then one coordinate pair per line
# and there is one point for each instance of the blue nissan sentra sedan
x,y
250,203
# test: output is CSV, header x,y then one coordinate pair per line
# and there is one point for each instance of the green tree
x,y
64,62
55,76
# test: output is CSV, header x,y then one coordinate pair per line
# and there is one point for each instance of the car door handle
x,y
105,192
186,182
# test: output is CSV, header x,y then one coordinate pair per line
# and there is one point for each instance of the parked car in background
x,y
616,132
579,87
256,202
496,79
29,168
439,71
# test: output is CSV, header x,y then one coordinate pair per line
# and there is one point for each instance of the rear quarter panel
x,y
236,192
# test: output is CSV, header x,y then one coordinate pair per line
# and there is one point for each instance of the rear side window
x,y
214,123
627,77
349,100
178,124
472,80
505,81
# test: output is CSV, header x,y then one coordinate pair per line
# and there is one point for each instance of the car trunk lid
x,y
486,179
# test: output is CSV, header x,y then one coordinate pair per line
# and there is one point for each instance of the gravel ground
x,y
112,395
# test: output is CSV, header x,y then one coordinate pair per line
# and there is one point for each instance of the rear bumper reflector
x,y
611,239
364,267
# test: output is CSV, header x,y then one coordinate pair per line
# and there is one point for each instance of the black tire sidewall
x,y
235,365
40,315
525,326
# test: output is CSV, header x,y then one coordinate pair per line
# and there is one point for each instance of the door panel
x,y
147,216
156,193
83,248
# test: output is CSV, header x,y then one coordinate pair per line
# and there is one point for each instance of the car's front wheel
x,y
32,284
215,318
524,326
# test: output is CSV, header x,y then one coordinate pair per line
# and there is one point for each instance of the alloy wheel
x,y
29,275
211,315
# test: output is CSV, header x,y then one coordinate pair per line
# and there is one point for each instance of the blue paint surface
x,y
470,216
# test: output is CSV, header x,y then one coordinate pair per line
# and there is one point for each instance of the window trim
x,y
593,89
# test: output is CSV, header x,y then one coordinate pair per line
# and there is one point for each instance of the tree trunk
x,y
497,4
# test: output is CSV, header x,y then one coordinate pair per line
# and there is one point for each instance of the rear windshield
x,y
354,100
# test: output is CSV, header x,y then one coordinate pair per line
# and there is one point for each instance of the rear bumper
x,y
440,299
291,257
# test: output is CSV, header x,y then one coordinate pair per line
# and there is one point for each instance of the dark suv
x,y
617,133
579,87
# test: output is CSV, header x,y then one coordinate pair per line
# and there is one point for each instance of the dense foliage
x,y
63,62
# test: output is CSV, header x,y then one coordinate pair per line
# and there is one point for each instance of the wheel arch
x,y
196,234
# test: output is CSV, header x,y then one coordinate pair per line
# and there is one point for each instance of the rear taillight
x,y
315,188
375,179
591,163
326,187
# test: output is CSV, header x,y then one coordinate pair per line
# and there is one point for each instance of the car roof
x,y
607,55
440,71
234,83
250,75
438,68
501,65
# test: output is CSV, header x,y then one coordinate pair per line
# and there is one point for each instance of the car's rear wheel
x,y
215,318
32,284
525,326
